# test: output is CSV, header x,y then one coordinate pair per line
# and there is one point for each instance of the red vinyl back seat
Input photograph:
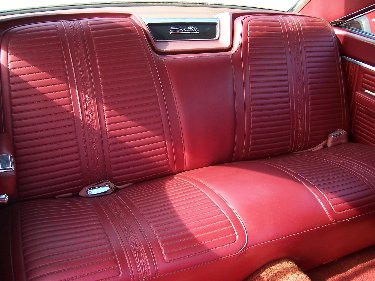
x,y
88,100
84,103
293,92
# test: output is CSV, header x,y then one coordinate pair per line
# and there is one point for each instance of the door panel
x,y
361,82
358,56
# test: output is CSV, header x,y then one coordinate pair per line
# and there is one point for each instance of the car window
x,y
282,5
364,25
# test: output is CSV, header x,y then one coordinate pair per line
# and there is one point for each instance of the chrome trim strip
x,y
370,93
359,32
180,20
354,15
185,21
372,68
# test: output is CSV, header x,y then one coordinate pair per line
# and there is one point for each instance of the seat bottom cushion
x,y
223,221
313,207
144,231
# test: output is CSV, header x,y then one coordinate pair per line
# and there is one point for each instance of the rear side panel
x,y
359,64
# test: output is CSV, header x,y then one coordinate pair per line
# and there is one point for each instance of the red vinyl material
x,y
124,236
291,77
356,46
88,100
333,10
206,108
286,199
85,107
361,85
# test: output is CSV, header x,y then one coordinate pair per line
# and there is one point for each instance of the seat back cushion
x,y
202,85
83,103
293,93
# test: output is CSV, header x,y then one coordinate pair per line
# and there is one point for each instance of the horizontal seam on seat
x,y
310,229
289,172
262,243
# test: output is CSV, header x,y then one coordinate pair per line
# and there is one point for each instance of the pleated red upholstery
x,y
312,207
42,117
141,232
86,105
341,177
292,77
91,108
87,100
53,249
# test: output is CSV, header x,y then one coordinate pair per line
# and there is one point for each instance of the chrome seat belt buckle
x,y
337,137
6,163
98,189
4,198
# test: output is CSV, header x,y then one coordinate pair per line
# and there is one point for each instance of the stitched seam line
x,y
243,84
222,198
147,47
293,174
306,97
235,110
178,113
262,243
121,241
291,89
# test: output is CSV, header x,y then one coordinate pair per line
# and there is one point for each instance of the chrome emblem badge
x,y
184,30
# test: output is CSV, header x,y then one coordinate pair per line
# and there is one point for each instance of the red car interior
x,y
361,81
333,10
212,153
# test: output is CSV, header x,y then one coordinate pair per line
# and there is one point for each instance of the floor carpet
x,y
359,266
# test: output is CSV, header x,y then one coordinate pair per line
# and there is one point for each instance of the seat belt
x,y
101,188
337,137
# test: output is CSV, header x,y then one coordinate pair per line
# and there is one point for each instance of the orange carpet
x,y
359,266
280,270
